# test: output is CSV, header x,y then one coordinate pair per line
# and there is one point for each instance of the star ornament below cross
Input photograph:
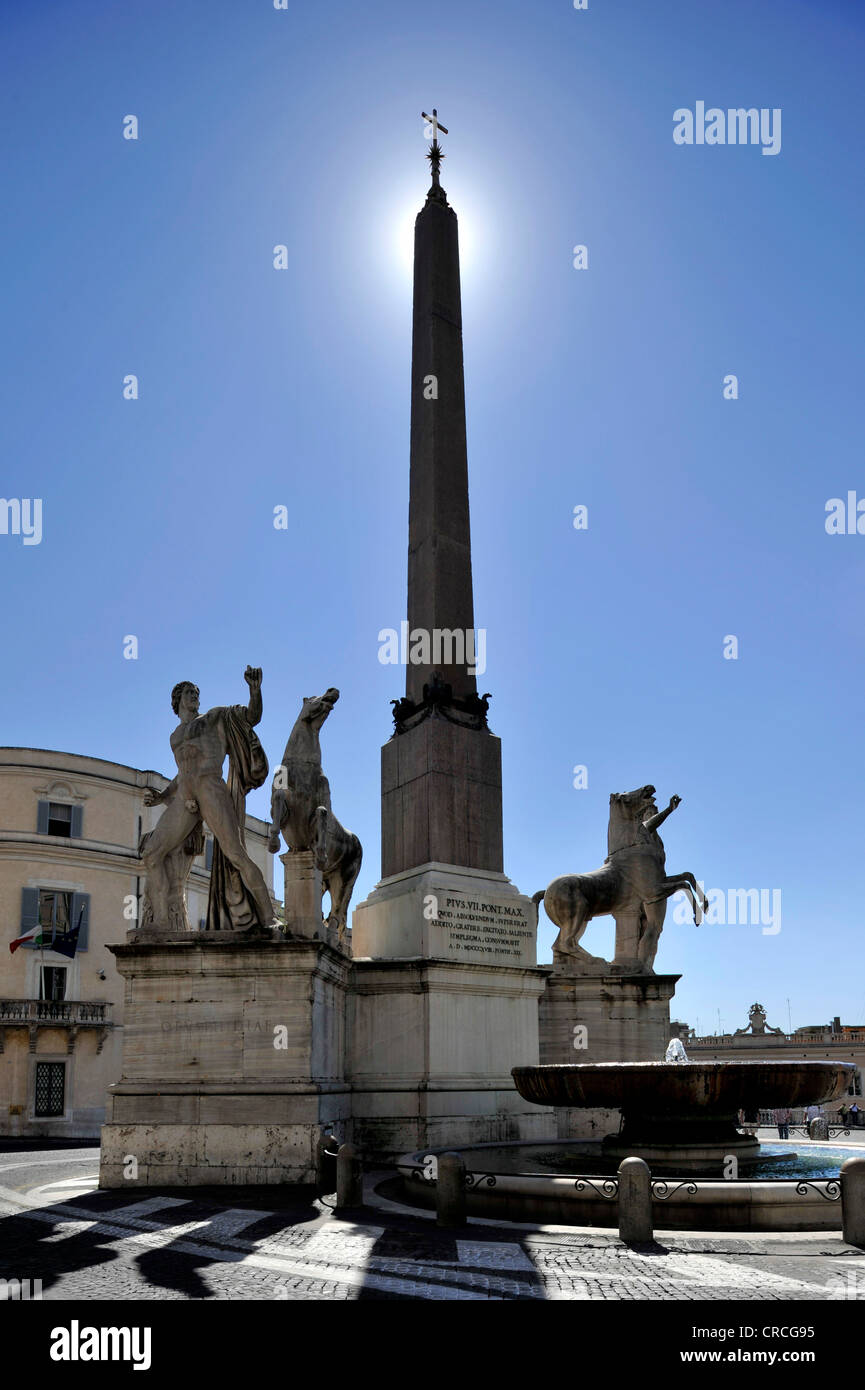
x,y
435,154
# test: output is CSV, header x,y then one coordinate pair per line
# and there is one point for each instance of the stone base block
x,y
605,1018
303,888
233,1061
204,1155
431,1046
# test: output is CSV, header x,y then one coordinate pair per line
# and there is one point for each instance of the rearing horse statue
x,y
632,885
300,808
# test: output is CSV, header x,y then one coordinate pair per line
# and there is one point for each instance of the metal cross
x,y
433,121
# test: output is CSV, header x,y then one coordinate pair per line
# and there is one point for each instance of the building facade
x,y
69,833
817,1042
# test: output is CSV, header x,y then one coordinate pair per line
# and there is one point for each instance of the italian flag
x,y
36,936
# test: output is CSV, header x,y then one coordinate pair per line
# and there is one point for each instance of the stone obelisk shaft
x,y
441,771
439,546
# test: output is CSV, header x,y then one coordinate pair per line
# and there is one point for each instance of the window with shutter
x,y
59,819
54,910
29,910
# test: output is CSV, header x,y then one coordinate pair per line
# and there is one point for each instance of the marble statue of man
x,y
239,900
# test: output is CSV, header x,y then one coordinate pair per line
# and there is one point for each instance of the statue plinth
x,y
233,1061
605,1018
304,886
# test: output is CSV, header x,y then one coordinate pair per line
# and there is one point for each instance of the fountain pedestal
x,y
695,1144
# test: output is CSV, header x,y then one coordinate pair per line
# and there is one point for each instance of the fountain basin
x,y
529,1181
684,1114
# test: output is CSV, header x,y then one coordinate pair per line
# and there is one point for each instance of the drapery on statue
x,y
301,810
632,885
239,900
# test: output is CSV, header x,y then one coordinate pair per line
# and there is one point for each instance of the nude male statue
x,y
239,896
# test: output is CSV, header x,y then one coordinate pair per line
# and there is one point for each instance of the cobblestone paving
x,y
86,1244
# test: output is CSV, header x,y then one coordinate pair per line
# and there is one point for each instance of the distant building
x,y
69,833
844,1042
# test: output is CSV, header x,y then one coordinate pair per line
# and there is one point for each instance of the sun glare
x,y
401,219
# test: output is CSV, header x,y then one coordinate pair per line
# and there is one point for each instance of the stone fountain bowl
x,y
681,1087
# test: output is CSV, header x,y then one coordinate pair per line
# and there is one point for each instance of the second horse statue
x,y
632,885
301,810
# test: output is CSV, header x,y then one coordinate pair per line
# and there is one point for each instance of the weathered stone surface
x,y
609,1018
430,1043
853,1200
441,912
304,886
635,1201
441,798
234,1059
207,1154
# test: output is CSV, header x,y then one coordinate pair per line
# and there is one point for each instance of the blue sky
x,y
600,387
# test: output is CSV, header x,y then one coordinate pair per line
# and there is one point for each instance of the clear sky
x,y
601,387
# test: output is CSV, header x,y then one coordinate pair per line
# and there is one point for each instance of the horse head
x,y
637,805
627,809
316,708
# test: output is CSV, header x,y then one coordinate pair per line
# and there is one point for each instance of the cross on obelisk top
x,y
435,123
435,154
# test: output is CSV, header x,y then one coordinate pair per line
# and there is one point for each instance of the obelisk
x,y
441,770
439,544
446,983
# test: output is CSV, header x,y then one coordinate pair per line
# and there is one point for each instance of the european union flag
x,y
67,942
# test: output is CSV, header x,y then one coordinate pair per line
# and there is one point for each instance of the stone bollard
x,y
349,1177
451,1190
635,1201
853,1201
818,1128
325,1163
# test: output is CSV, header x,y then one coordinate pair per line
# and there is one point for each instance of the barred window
x,y
50,1089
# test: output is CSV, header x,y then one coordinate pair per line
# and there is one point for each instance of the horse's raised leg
x,y
686,883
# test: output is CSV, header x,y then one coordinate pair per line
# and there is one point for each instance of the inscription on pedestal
x,y
482,930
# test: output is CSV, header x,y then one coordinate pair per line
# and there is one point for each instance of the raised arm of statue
x,y
654,821
252,676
